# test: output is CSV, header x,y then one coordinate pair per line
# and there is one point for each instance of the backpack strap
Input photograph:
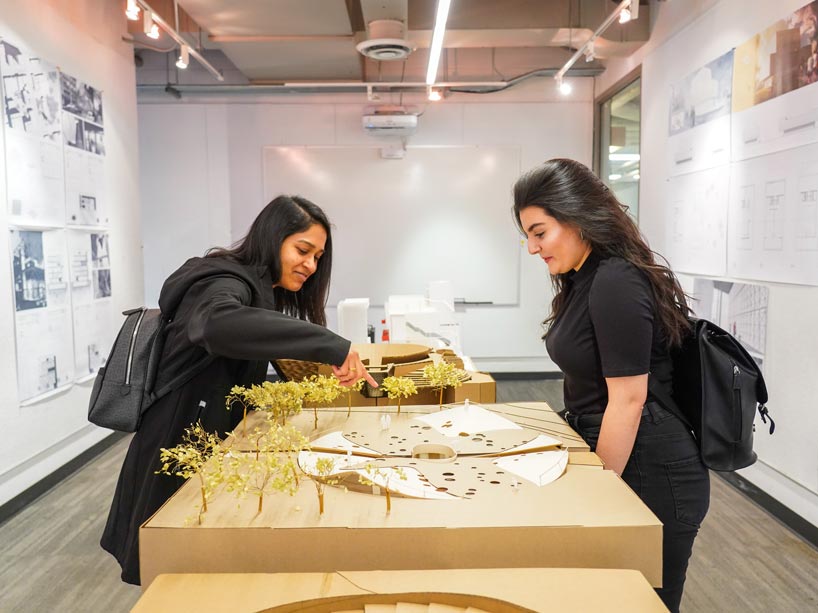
x,y
196,369
183,378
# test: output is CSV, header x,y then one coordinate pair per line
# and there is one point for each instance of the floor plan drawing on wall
x,y
774,192
697,222
773,214
806,228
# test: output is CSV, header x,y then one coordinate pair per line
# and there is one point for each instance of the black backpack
x,y
717,388
124,388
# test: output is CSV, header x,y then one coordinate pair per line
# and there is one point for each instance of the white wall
x,y
83,37
788,461
193,183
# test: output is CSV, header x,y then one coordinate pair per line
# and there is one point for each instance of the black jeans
x,y
666,472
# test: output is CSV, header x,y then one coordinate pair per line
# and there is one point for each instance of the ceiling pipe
x,y
474,87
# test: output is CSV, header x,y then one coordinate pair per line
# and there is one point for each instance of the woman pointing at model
x,y
233,311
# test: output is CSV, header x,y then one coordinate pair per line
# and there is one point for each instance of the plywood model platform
x,y
476,511
568,590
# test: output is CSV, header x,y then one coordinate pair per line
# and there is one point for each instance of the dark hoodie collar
x,y
196,269
586,271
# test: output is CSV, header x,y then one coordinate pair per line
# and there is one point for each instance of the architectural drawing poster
x,y
90,271
34,152
84,137
45,356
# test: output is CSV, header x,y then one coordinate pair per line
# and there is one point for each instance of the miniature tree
x,y
371,472
200,453
280,399
272,468
319,389
443,375
285,399
323,469
238,394
357,387
288,440
399,387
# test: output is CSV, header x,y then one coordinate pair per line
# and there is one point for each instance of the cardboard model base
x,y
568,590
586,518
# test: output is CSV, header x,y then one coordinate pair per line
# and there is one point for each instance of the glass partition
x,y
619,137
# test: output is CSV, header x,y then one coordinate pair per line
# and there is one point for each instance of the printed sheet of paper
x,y
84,139
469,418
90,272
45,357
34,156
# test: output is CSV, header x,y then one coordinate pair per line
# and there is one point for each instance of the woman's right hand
x,y
352,370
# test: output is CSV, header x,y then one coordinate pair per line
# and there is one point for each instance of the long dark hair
x,y
281,218
573,195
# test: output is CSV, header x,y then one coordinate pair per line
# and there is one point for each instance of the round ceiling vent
x,y
385,41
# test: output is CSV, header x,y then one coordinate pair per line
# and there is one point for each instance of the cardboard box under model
x,y
568,590
588,518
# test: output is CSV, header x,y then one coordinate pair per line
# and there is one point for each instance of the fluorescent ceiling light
x,y
437,40
614,177
624,157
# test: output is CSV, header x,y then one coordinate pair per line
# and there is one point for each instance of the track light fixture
x,y
132,10
149,27
433,95
184,57
632,8
152,22
625,16
589,51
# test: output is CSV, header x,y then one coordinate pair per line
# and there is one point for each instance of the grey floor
x,y
50,560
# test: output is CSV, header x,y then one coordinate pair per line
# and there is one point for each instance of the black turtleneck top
x,y
607,328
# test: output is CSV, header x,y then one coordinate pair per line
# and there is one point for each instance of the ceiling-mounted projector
x,y
389,120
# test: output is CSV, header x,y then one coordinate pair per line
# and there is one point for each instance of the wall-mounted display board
x,y
438,213
761,158
54,170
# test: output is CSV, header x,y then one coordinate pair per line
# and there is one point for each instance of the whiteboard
x,y
438,213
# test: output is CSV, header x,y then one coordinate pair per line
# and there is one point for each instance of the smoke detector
x,y
386,41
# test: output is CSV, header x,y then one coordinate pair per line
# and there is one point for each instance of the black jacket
x,y
221,311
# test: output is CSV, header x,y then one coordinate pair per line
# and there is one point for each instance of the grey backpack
x,y
124,388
